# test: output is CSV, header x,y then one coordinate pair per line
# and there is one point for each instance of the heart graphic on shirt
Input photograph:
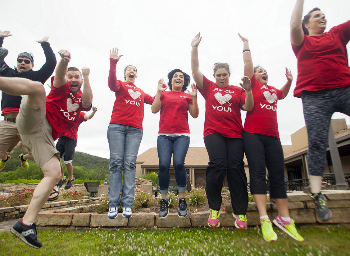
x,y
71,107
222,99
271,98
133,94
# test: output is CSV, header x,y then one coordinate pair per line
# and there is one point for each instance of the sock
x,y
22,158
286,219
6,159
264,217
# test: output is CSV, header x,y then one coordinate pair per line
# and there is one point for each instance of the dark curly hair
x,y
307,18
186,77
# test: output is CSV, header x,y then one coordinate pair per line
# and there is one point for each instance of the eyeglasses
x,y
25,61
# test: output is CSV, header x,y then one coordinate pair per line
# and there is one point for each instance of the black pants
x,y
226,156
265,152
66,146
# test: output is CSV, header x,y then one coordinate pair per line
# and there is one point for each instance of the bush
x,y
172,196
143,199
23,181
71,195
250,197
20,198
197,197
152,176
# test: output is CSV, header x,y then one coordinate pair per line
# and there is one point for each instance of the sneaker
x,y
213,220
163,210
3,54
3,162
24,163
113,212
288,228
241,221
61,182
182,211
267,230
127,213
321,209
27,234
69,183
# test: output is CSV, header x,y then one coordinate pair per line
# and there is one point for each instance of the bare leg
x,y
70,170
21,86
52,173
3,156
282,206
28,156
260,201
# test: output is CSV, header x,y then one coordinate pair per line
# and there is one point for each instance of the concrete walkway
x,y
7,224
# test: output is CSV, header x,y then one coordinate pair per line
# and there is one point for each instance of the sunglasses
x,y
25,61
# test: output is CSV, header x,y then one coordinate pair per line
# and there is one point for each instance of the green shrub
x,y
172,196
152,176
143,199
197,197
23,181
71,195
19,198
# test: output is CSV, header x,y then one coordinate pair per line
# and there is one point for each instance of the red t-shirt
x,y
222,109
129,101
323,61
263,118
63,109
73,132
174,112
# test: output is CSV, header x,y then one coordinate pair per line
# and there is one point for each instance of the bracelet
x,y
246,50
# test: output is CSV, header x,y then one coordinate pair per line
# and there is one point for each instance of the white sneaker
x,y
113,212
127,212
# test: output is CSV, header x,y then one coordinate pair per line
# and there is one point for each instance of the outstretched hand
x,y
113,54
246,85
196,40
289,75
45,39
65,55
94,109
193,92
243,38
5,33
161,87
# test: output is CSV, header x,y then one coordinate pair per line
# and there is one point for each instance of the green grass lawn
x,y
332,240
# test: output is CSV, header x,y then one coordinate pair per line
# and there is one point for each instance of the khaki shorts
x,y
9,136
36,133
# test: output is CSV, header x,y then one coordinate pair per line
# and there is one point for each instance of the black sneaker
x,y
69,184
164,204
3,54
27,234
321,209
182,211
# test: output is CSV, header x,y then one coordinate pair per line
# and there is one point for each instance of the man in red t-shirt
x,y
66,146
39,121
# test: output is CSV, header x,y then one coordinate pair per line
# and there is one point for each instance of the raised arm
x,y
87,92
249,101
3,66
285,89
296,29
47,69
4,34
61,69
157,103
112,77
193,108
197,75
91,115
247,58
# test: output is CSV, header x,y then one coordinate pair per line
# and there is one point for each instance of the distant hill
x,y
85,166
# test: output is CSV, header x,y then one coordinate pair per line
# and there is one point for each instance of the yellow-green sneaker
x,y
288,228
3,162
24,163
267,230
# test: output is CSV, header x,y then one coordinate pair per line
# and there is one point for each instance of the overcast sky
x,y
156,36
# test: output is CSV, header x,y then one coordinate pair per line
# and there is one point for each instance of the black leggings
x,y
318,109
265,152
226,156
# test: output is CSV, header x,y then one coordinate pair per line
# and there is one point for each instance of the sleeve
x,y
4,68
47,69
1,41
206,87
57,92
279,94
149,99
296,49
113,83
189,99
253,81
343,30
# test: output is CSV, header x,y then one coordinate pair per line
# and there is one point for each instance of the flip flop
x,y
55,197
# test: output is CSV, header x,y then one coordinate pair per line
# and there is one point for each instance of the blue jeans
x,y
176,146
124,142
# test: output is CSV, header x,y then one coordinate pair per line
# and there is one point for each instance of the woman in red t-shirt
x,y
263,148
124,136
223,137
323,84
174,134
